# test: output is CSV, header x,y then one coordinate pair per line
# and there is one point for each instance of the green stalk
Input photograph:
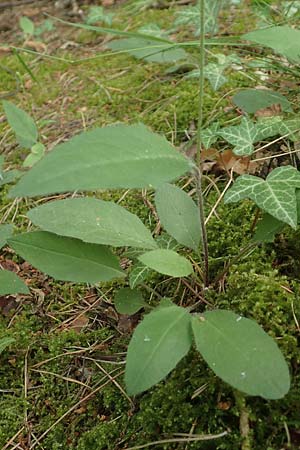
x,y
199,174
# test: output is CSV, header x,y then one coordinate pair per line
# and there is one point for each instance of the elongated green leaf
x,y
267,228
22,124
158,344
179,215
5,342
251,100
241,136
167,262
282,39
94,221
242,354
275,195
120,156
67,259
10,283
129,301
151,51
5,233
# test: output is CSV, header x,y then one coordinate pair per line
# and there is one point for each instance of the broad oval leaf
x,y
167,262
5,233
251,100
129,301
22,124
283,39
159,342
94,221
119,156
241,353
67,259
179,215
10,283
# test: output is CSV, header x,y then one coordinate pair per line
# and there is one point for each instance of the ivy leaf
x,y
159,342
10,283
92,220
179,215
167,262
67,259
129,301
241,136
275,195
241,353
210,135
22,124
120,156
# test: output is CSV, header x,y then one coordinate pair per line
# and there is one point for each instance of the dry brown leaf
x,y
78,323
271,111
35,45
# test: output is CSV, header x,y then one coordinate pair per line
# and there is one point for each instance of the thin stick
x,y
195,438
198,173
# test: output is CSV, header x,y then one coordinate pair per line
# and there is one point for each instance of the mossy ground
x,y
68,338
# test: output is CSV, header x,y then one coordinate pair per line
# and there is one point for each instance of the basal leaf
x,y
67,259
159,342
94,221
10,283
37,152
282,39
129,301
167,262
240,136
275,195
120,156
9,176
5,233
22,124
251,100
241,353
179,215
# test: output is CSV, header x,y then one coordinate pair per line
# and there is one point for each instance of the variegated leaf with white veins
x,y
275,195
241,136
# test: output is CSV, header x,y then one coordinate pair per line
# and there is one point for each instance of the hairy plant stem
x,y
244,420
198,174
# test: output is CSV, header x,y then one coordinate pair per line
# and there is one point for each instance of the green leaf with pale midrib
x,y
241,353
67,259
22,124
159,342
92,220
119,156
179,215
167,262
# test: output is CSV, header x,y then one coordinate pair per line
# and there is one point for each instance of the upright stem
x,y
199,144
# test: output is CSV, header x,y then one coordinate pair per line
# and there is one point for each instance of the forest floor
x,y
62,377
